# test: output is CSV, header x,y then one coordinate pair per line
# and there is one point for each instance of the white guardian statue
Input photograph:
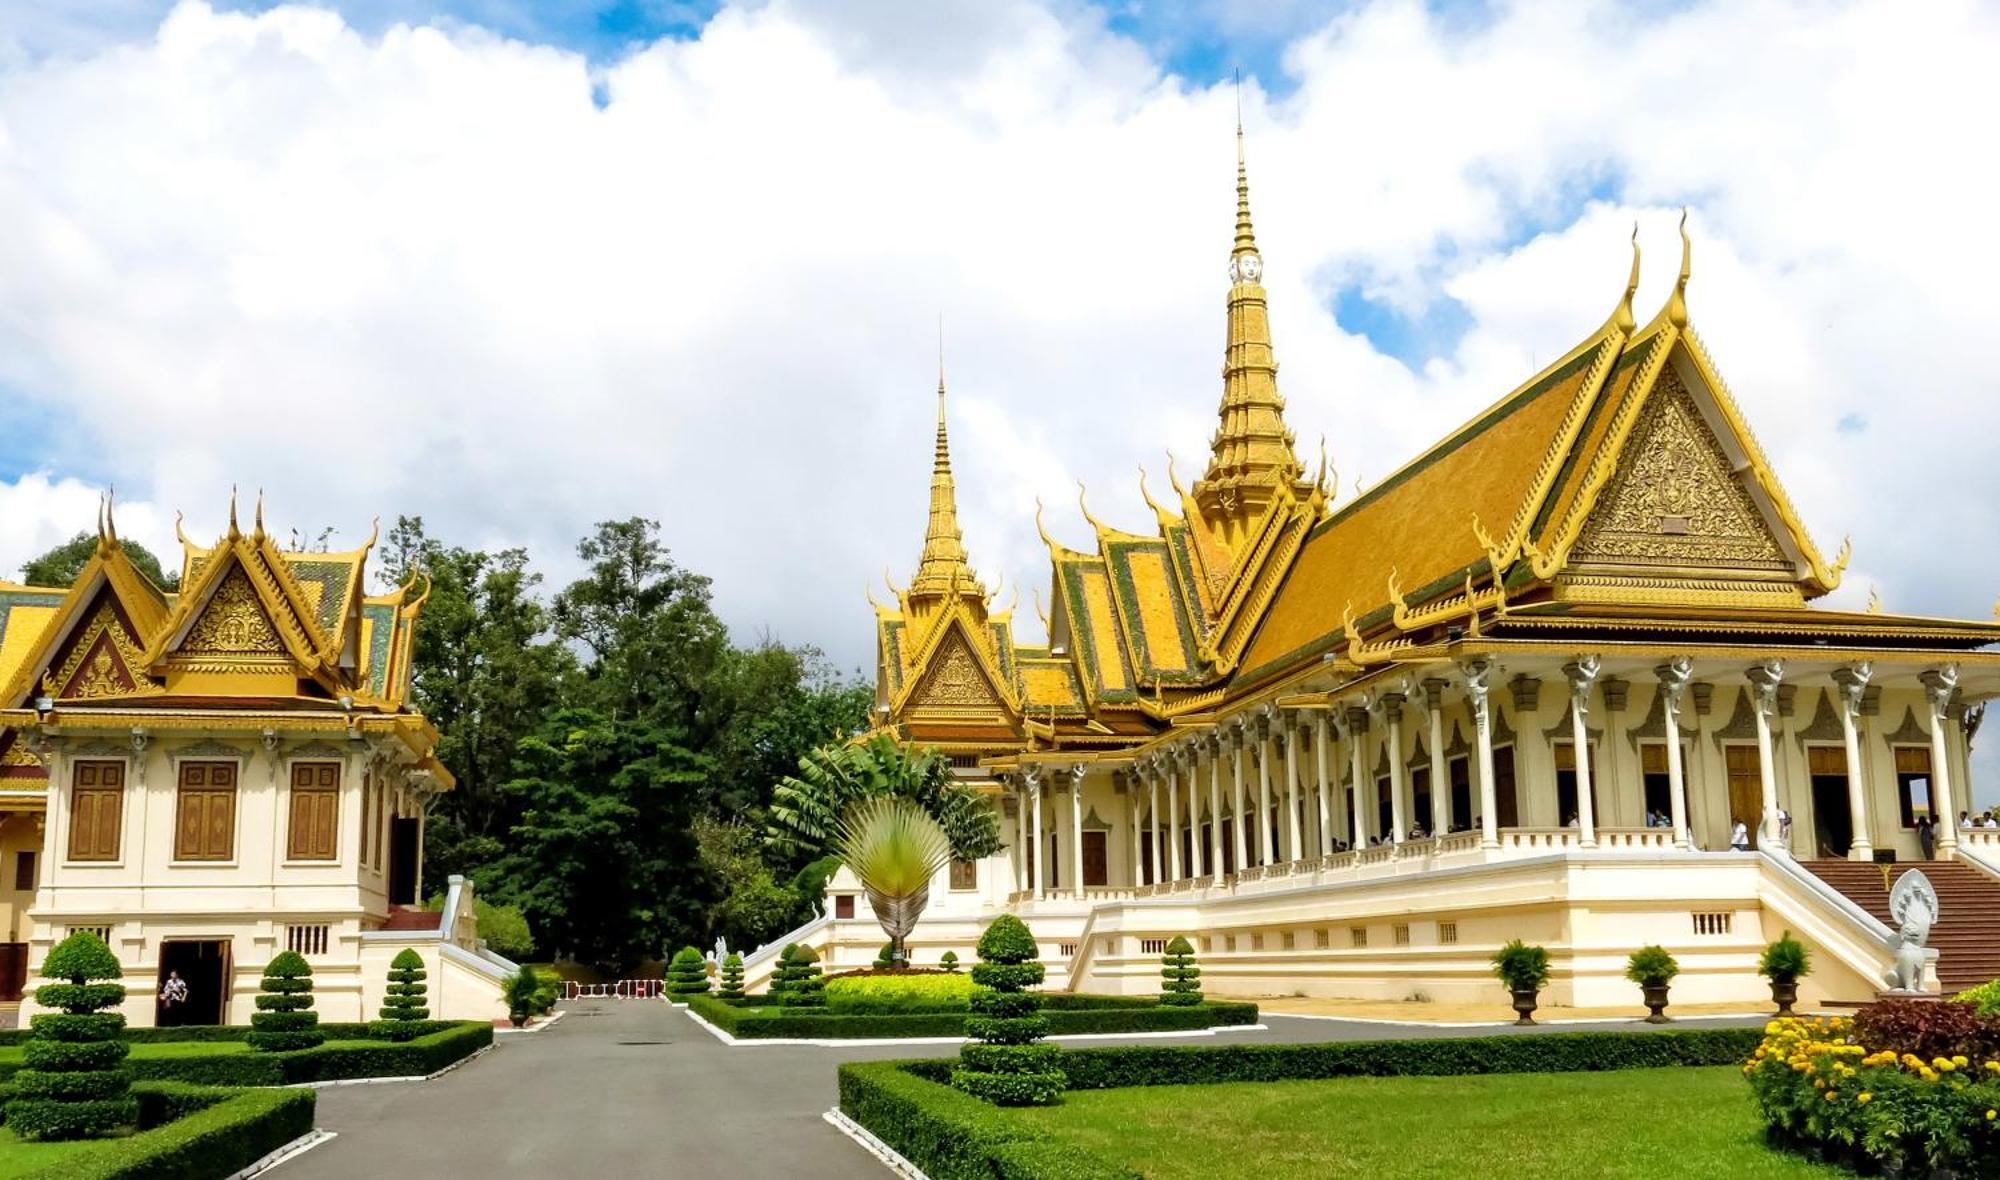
x,y
1913,906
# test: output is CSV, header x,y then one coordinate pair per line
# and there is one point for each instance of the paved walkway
x,y
636,1088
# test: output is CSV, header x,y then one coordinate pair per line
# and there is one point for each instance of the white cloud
x,y
424,273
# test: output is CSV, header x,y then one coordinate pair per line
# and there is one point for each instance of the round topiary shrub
x,y
284,1018
886,957
1179,977
1010,1067
732,978
805,987
687,975
950,961
74,1083
403,1008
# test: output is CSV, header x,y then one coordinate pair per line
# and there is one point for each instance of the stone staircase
x,y
1967,936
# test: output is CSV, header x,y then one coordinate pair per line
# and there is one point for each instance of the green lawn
x,y
18,1158
1629,1123
151,1049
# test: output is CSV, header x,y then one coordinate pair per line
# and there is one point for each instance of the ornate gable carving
x,y
1674,500
233,626
955,680
99,661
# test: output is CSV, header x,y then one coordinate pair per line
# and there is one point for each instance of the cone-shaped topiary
x,y
1178,975
687,975
774,991
950,961
805,987
403,1008
732,977
1009,1067
75,1084
284,1018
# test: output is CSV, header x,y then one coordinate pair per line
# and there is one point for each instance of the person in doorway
x,y
1784,827
173,999
1926,837
1739,835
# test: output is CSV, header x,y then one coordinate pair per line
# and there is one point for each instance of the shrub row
x,y
757,1023
954,1136
897,993
191,1133
329,1062
334,1030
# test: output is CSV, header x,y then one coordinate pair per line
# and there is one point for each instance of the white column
x,y
1441,816
1021,847
1188,762
1939,683
1264,754
1130,788
1033,779
1325,782
1581,675
1159,849
1213,745
1076,826
1237,839
1173,821
1673,680
1476,674
1294,848
1399,770
1764,680
1357,747
1853,682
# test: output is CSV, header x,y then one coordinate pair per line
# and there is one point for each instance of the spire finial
x,y
1677,308
234,532
1246,238
110,517
1622,318
943,564
258,521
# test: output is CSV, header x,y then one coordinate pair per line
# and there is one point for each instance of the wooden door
x,y
13,969
1504,802
1094,870
1746,789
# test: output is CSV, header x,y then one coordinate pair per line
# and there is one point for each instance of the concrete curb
x,y
873,1146
292,1150
736,1042
533,1028
474,1056
1707,1016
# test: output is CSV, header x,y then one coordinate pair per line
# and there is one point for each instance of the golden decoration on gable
x,y
955,679
1674,499
233,624
104,644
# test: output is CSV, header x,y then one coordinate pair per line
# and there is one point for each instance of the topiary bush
x,y
403,1007
687,975
74,1083
805,987
950,961
774,991
886,957
1179,986
1009,1067
732,978
284,1018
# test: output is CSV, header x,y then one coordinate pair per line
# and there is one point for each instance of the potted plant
x,y
1784,963
1652,968
519,990
1524,969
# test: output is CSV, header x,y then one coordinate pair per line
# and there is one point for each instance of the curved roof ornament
x,y
1173,478
1677,308
1042,528
1080,503
234,531
180,534
1147,495
258,522
1621,317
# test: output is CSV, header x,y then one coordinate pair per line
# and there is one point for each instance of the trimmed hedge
x,y
328,1062
952,1136
753,1023
899,993
73,1083
195,1132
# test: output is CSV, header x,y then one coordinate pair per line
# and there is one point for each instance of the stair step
x,y
1967,936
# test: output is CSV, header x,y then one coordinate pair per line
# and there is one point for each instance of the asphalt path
x,y
632,1087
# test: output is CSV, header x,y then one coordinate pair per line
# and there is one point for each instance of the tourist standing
x,y
173,999
1926,837
1739,836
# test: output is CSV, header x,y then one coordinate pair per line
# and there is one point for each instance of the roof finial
x,y
110,520
1092,520
234,532
1677,308
258,523
1622,318
180,534
1246,239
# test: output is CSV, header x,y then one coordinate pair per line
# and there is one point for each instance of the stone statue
x,y
1913,905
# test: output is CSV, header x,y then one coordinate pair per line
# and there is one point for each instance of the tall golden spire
x,y
1252,450
943,567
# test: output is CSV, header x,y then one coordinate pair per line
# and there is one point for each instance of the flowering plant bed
x,y
1910,1088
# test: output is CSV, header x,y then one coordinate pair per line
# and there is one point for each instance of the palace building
x,y
1527,686
209,777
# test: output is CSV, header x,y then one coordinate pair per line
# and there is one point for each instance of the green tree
x,y
59,567
808,806
894,848
798,982
732,977
284,1018
604,862
751,907
403,1007
1010,1065
74,1083
1180,984
687,975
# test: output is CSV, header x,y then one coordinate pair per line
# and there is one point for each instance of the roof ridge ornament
x,y
234,531
1621,316
1677,309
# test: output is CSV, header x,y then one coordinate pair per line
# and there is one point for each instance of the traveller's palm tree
x,y
807,808
894,849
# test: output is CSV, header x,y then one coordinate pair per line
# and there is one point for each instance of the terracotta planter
x,y
1524,1003
1784,995
1656,1002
